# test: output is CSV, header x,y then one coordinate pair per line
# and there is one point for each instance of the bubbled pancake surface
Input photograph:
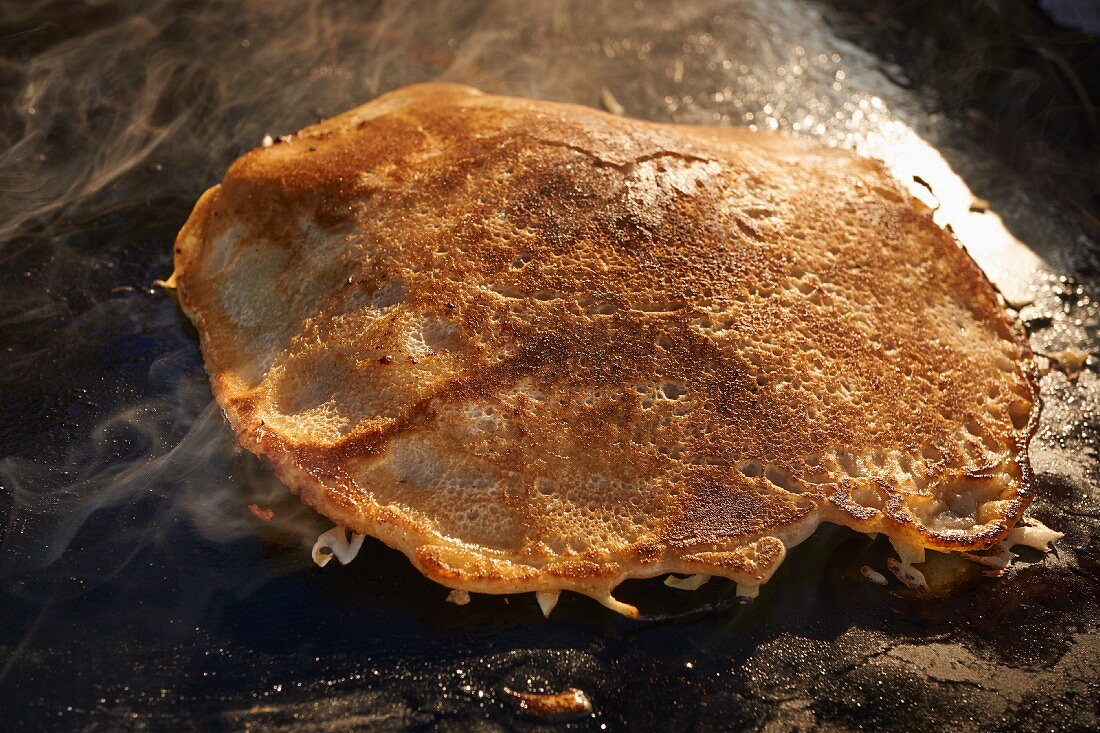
x,y
537,347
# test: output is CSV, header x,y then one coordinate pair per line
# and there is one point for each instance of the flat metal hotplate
x,y
141,592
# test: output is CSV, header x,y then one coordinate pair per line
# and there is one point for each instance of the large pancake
x,y
534,346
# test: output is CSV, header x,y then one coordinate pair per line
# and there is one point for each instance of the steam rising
x,y
97,106
120,509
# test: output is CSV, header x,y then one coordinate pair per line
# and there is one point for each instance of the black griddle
x,y
138,591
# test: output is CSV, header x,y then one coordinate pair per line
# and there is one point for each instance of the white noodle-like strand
x,y
909,555
691,582
1029,533
873,575
618,606
547,600
1032,533
748,590
336,542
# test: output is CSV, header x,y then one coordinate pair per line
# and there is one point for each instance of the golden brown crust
x,y
535,346
557,706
